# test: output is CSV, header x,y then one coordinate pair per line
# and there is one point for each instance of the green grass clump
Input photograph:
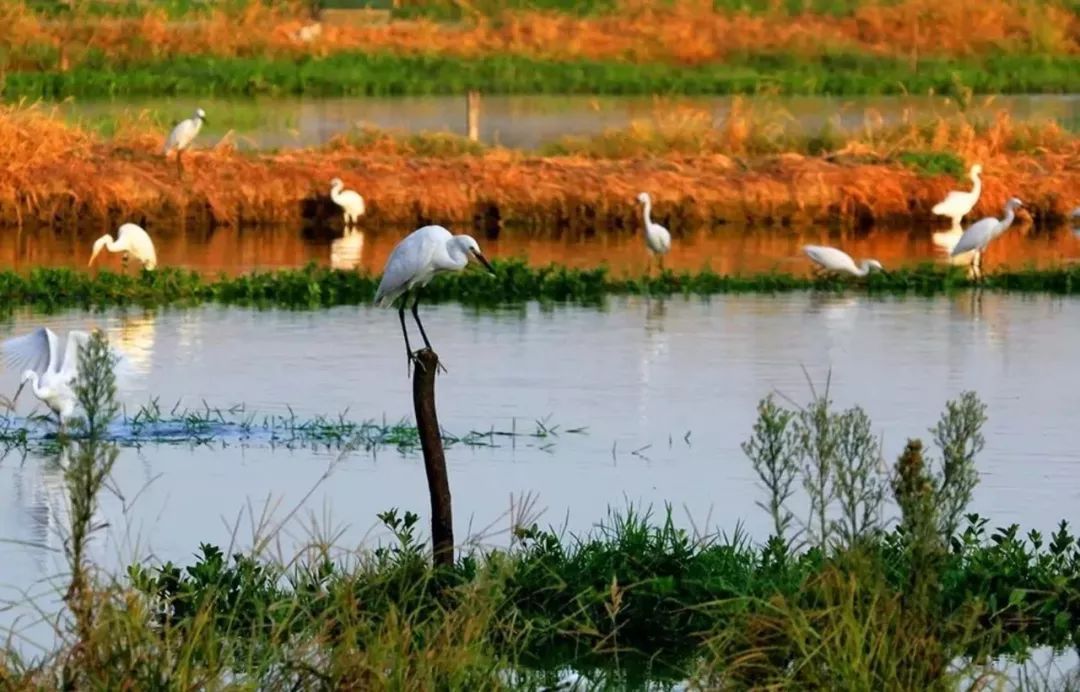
x,y
514,282
367,74
930,163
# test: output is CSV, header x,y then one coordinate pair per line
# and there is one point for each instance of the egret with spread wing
x,y
132,240
415,261
956,204
350,201
832,260
51,374
979,234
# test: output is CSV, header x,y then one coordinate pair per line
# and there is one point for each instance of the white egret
x,y
956,204
132,240
979,234
833,260
183,135
350,201
51,376
946,241
657,238
415,261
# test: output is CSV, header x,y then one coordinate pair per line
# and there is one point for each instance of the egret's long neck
x,y
335,191
1010,214
647,213
977,187
456,255
35,386
864,268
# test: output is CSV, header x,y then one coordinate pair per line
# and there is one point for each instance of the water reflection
x,y
134,337
654,349
347,252
725,249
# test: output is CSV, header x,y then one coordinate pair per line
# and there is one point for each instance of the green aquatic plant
x,y
385,74
513,282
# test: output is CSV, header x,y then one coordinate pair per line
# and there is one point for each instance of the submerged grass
x,y
838,598
514,282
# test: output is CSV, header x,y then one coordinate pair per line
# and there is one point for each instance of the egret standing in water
x,y
131,240
350,201
979,234
415,261
832,260
657,238
50,375
183,135
956,204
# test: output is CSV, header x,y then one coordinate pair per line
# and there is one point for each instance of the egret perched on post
x,y
415,261
832,260
657,238
979,234
350,201
183,135
132,240
51,377
956,204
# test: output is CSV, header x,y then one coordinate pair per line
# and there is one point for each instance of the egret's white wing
x,y
75,342
976,236
829,257
411,260
36,351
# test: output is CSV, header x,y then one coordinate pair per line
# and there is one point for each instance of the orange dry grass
x,y
51,173
687,32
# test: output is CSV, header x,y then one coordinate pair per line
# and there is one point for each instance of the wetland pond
x,y
531,121
666,389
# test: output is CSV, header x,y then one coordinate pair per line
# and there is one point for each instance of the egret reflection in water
x,y
347,252
653,348
134,337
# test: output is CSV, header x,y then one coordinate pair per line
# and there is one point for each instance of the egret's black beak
x,y
483,260
12,400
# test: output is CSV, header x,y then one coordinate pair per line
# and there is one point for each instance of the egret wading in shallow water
x,y
131,240
956,204
183,135
657,238
946,241
414,262
979,234
832,260
350,201
51,377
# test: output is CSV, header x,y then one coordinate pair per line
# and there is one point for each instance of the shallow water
x,y
666,388
725,249
529,121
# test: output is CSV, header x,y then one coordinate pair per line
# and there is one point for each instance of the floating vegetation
x,y
211,426
514,282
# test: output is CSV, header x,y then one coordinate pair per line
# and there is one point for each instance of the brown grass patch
x,y
687,32
51,173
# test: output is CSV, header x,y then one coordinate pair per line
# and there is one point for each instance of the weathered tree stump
x,y
427,425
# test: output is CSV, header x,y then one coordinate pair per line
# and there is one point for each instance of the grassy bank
x,y
680,47
381,74
837,596
750,167
514,282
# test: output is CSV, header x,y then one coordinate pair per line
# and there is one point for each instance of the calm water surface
x,y
726,249
530,121
666,388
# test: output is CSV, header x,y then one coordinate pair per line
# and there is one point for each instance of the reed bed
x,y
685,32
746,168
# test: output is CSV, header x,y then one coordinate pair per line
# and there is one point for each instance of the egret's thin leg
x,y
179,164
404,331
416,316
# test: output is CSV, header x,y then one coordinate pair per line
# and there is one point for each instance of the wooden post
x,y
427,425
472,115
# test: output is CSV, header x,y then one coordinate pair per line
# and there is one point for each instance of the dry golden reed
x,y
53,173
684,32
